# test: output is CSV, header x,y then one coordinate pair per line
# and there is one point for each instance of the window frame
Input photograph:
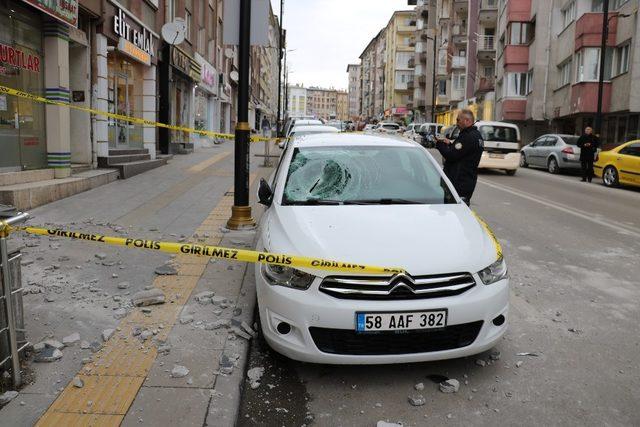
x,y
568,11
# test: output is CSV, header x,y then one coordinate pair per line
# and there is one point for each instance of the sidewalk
x,y
129,379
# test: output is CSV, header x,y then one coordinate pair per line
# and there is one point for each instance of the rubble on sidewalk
x,y
417,400
7,397
179,371
254,375
450,386
148,297
71,339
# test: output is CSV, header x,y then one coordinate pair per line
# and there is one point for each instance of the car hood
x,y
421,239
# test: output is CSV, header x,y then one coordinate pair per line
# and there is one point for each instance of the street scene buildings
x,y
316,102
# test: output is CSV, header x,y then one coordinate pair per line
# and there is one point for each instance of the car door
x,y
547,148
532,151
628,163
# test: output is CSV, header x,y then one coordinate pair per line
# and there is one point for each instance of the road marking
x,y
199,167
614,225
116,372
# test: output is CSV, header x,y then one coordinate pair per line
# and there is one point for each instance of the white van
x,y
501,145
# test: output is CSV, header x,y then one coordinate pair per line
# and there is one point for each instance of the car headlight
x,y
493,273
286,276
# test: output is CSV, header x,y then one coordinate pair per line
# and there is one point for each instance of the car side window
x,y
552,141
537,142
631,150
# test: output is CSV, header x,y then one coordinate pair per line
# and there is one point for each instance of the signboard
x,y
208,76
134,52
63,10
19,59
259,22
141,39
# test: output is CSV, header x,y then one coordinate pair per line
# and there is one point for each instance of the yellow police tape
x,y
36,98
241,255
484,225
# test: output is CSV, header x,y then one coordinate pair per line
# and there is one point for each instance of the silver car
x,y
553,152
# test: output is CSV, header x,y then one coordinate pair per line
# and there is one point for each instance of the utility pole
x,y
280,37
603,48
433,83
241,211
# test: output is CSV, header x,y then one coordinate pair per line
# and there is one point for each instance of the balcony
x,y
514,109
406,28
457,95
423,57
488,11
419,71
486,47
589,30
584,97
516,55
412,62
458,62
422,80
485,84
461,6
411,84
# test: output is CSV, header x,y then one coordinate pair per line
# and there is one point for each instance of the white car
x,y
303,122
299,131
412,132
372,200
392,128
369,128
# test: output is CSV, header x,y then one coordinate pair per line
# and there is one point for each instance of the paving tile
x,y
160,406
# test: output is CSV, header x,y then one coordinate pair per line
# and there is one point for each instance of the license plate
x,y
496,156
402,321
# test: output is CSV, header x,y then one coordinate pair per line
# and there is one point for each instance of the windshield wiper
x,y
383,201
314,202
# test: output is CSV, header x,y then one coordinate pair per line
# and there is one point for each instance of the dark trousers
x,y
587,169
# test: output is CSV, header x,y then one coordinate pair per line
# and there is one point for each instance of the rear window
x,y
391,126
571,140
498,133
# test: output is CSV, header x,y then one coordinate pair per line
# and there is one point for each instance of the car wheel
x,y
552,166
610,176
523,161
510,172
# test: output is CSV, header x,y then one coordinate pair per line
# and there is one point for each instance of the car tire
x,y
510,172
552,166
610,176
523,161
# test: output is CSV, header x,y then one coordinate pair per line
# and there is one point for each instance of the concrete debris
x,y
519,363
85,345
120,313
101,255
282,410
237,311
418,400
48,344
164,349
481,362
166,270
117,298
114,276
419,386
450,386
528,354
248,329
388,424
495,355
49,298
179,371
49,354
575,331
109,263
378,405
204,297
146,334
7,397
78,383
239,332
71,339
186,319
254,375
150,297
218,300
106,334
221,323
124,285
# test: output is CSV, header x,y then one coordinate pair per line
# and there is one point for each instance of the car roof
x,y
300,122
316,128
492,123
350,139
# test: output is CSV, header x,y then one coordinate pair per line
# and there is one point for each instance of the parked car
x,y
428,132
388,127
412,132
303,130
341,126
501,145
323,201
369,128
620,165
303,122
300,121
554,152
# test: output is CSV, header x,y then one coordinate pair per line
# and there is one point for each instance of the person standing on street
x,y
588,144
462,155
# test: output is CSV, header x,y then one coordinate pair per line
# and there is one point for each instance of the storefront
x,y
205,102
22,122
185,75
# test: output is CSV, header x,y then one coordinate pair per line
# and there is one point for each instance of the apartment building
x,y
297,102
355,84
398,66
322,103
372,60
423,61
342,105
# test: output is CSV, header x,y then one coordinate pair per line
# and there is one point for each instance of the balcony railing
x,y
412,62
457,95
458,62
489,4
486,84
486,42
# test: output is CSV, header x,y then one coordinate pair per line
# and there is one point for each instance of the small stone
x,y
186,319
519,363
109,263
49,354
481,362
254,375
85,345
166,270
78,383
71,339
146,334
86,360
418,400
382,423
114,276
204,297
248,329
8,396
22,403
495,355
101,255
179,371
49,298
237,311
449,386
52,343
378,405
218,300
124,285
239,332
117,298
221,323
120,313
449,416
106,334
419,386
148,297
164,349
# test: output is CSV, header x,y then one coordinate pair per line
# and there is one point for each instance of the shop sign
x,y
185,63
208,75
19,59
142,40
129,49
63,10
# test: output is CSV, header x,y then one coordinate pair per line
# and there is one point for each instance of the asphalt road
x,y
573,250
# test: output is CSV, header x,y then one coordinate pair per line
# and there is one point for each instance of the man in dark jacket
x,y
588,144
462,155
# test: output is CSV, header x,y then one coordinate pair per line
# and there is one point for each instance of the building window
x,y
622,60
516,84
187,19
459,81
489,71
521,33
564,73
588,64
529,87
442,87
568,14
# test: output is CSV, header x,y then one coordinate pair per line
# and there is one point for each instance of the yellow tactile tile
x,y
191,269
67,419
109,395
189,259
125,358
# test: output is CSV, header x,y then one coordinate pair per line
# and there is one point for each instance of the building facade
x,y
372,61
398,65
297,102
322,103
342,105
354,95
423,61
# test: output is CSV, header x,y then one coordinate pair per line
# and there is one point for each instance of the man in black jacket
x,y
588,144
462,155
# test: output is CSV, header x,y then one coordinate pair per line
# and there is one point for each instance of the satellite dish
x,y
234,75
228,52
174,32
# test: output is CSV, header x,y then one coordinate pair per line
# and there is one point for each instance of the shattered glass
x,y
363,173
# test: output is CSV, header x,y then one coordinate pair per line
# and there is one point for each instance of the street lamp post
x,y
241,211
280,37
603,47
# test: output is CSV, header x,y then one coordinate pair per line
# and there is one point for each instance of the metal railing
x,y
458,62
486,42
489,4
12,331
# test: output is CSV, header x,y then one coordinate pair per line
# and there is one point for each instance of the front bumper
x,y
511,161
303,310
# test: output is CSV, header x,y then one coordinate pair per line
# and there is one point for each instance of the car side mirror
x,y
265,194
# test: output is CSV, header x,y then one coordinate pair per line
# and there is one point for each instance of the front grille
x,y
398,287
347,341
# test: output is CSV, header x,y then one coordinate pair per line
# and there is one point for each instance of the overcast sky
x,y
329,34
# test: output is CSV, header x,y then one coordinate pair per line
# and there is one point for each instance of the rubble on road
x,y
419,386
106,334
382,423
528,354
101,255
84,345
148,297
450,386
221,323
239,332
186,319
495,355
481,362
254,375
78,383
7,397
48,343
48,354
71,339
123,285
166,270
519,363
179,371
204,297
417,400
